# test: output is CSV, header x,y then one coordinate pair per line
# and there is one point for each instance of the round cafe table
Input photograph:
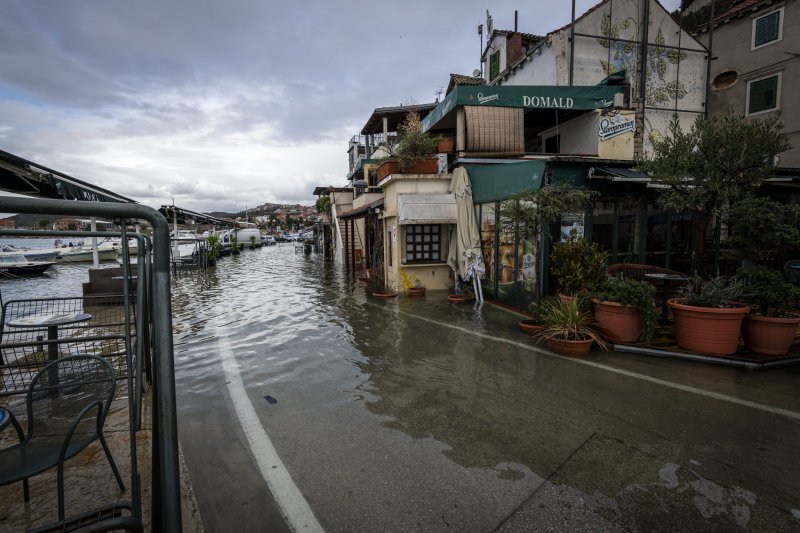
x,y
52,323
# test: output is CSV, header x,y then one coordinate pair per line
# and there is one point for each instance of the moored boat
x,y
19,265
83,254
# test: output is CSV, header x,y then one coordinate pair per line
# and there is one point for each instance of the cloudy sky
x,y
227,104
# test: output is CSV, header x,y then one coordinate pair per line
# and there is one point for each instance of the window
x,y
494,65
724,80
423,244
762,95
767,29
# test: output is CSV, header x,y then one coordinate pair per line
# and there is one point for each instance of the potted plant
x,y
767,329
465,295
568,329
214,247
707,317
415,150
252,244
446,145
411,283
234,245
532,325
625,309
578,266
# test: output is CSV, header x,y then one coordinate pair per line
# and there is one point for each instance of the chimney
x,y
513,48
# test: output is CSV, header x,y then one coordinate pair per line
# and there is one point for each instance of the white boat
x,y
17,264
184,245
116,244
83,254
32,254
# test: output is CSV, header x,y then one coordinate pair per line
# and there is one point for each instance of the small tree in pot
x,y
768,329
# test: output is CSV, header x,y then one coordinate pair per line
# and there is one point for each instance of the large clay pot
x,y
617,322
768,335
566,347
530,327
708,329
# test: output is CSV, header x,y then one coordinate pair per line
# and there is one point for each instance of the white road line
x,y
686,388
293,506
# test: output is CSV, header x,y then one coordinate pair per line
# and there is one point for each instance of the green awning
x,y
525,96
500,181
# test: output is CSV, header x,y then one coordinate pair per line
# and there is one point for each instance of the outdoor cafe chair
x,y
67,403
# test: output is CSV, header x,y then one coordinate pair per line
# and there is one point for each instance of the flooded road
x,y
422,414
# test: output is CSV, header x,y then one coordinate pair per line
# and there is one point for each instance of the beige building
x,y
755,68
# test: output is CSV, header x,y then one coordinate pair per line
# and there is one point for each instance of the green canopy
x,y
525,96
500,181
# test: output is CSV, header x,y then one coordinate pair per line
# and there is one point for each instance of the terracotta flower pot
x,y
384,294
617,322
416,291
567,347
423,166
769,335
566,298
460,298
446,145
530,327
708,329
386,168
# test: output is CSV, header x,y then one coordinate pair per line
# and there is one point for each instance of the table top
x,y
49,320
656,275
122,277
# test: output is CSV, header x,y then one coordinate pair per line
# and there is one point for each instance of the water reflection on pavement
x,y
422,414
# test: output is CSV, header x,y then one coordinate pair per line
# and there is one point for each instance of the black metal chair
x,y
67,403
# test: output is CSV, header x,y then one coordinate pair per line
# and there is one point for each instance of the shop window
x,y
494,65
762,95
423,243
488,224
767,29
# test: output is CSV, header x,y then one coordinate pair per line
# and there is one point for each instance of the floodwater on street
x,y
305,404
421,414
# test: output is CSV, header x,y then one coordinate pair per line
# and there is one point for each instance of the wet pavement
x,y
427,415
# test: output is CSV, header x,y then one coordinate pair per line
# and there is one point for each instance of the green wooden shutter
x,y
494,65
763,95
767,28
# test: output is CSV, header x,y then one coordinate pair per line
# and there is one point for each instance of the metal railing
x,y
153,294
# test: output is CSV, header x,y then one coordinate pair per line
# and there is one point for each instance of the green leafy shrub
x,y
214,246
768,289
414,144
577,265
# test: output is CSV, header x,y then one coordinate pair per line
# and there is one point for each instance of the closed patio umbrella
x,y
465,242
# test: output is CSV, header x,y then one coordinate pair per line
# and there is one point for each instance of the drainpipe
x,y
572,44
708,57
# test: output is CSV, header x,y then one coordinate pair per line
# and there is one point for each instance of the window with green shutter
x,y
763,95
767,28
494,65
